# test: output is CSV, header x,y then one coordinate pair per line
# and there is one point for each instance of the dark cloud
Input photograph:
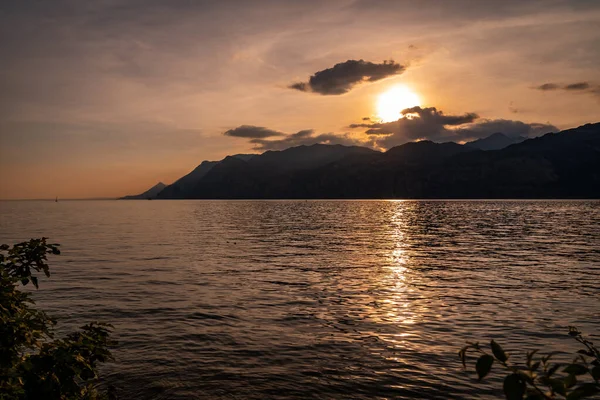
x,y
417,123
431,114
510,128
577,86
343,76
252,132
299,139
432,124
548,86
304,137
301,86
583,87
303,134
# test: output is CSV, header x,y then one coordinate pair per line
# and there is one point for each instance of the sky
x,y
106,98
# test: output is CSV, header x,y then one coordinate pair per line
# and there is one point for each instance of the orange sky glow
x,y
103,99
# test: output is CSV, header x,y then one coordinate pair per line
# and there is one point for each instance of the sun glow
x,y
391,103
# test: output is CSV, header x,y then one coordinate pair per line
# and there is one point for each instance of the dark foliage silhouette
x,y
34,364
540,378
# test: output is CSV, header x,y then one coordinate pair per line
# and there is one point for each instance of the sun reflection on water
x,y
395,307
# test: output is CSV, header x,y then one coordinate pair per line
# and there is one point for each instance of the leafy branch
x,y
540,378
34,365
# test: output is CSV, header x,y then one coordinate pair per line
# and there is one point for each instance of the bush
x,y
34,365
539,378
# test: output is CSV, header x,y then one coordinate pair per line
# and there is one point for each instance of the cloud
x,y
577,86
418,123
510,128
548,86
304,137
583,87
426,115
252,132
342,77
432,124
431,114
299,139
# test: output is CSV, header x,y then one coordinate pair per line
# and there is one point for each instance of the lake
x,y
315,299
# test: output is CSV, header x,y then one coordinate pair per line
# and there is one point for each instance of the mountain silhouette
x,y
556,165
257,176
148,194
424,152
495,141
187,182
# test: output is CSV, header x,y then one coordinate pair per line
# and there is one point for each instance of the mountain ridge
x,y
148,194
496,141
564,164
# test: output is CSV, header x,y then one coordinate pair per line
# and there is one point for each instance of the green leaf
x,y
585,390
558,386
514,387
570,381
484,365
576,369
498,352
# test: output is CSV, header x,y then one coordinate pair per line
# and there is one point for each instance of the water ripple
x,y
317,299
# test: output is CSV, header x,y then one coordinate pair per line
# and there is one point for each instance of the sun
x,y
391,103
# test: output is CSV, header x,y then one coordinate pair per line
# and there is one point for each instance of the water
x,y
317,299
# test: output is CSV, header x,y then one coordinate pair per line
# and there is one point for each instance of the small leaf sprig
x,y
540,378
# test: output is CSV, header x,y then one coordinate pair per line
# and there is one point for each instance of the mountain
x,y
305,157
185,184
256,176
424,152
556,165
495,141
245,157
148,194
